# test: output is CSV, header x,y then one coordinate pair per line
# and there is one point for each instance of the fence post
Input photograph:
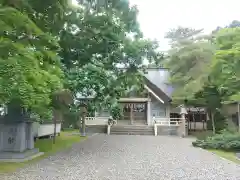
x,y
108,129
155,129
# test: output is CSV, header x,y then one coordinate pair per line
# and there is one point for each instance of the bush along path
x,y
225,144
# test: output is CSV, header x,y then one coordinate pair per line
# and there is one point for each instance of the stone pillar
x,y
83,125
30,136
149,119
108,129
183,124
168,110
155,129
83,112
21,137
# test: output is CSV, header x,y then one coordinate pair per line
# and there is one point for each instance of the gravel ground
x,y
118,157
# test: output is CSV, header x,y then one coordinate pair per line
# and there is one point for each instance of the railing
x,y
176,122
167,121
96,120
90,118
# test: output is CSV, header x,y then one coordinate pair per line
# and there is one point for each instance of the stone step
x,y
131,126
18,155
96,129
128,129
132,130
131,133
135,130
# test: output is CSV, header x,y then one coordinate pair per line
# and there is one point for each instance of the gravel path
x,y
118,157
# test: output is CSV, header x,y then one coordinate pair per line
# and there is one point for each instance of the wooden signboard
x,y
196,109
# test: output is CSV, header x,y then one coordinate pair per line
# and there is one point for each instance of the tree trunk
x,y
213,123
55,125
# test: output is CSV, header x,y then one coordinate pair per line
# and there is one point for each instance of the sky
x,y
156,17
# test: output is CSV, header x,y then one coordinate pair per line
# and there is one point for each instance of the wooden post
x,y
190,120
201,118
194,121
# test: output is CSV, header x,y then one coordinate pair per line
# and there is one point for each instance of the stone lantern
x,y
183,113
83,109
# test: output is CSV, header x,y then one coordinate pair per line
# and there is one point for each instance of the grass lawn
x,y
70,130
227,155
45,145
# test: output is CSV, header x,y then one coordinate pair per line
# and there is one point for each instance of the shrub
x,y
220,122
201,135
226,141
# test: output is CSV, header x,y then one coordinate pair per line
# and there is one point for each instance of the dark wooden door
x,y
140,111
136,111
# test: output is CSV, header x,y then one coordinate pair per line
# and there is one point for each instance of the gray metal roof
x,y
159,77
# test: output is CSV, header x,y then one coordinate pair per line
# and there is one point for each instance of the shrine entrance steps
x,y
132,130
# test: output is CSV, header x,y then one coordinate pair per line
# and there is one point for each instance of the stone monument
x,y
16,136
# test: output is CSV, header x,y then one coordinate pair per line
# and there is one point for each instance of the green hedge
x,y
226,141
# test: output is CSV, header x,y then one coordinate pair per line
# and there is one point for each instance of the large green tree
x,y
30,69
190,63
83,45
205,70
189,60
103,50
226,63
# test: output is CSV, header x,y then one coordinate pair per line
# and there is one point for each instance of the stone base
x,y
20,157
91,129
167,130
238,156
